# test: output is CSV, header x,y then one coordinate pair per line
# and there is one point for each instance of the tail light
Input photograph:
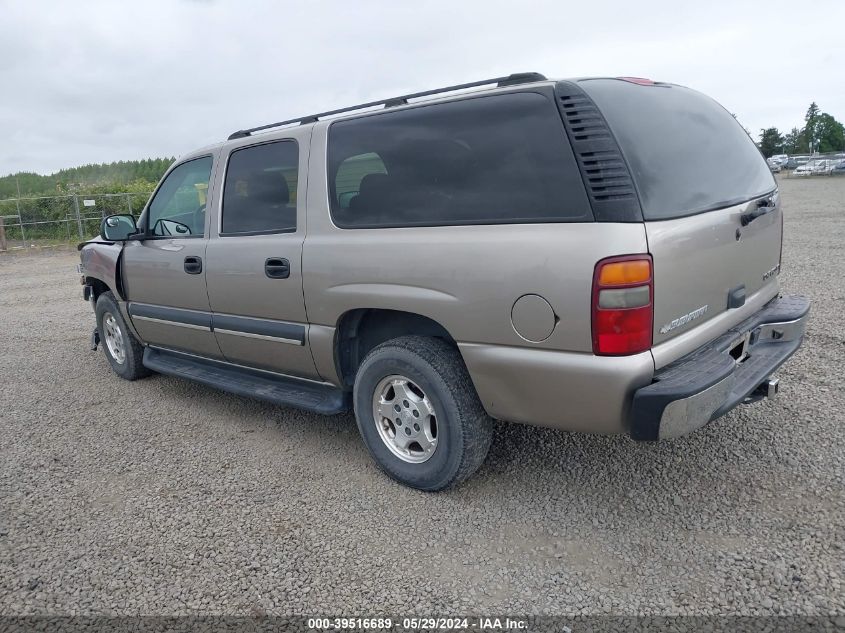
x,y
623,305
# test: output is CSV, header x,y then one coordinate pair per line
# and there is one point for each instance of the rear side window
x,y
259,195
487,160
687,154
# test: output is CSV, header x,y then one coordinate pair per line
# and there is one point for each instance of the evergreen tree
x,y
771,141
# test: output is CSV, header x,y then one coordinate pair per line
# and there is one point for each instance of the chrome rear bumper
x,y
734,369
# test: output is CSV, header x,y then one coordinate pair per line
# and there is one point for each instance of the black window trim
x,y
232,151
145,228
545,91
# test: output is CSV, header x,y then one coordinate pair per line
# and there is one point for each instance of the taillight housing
x,y
623,305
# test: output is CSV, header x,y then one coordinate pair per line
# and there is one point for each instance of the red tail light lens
x,y
623,305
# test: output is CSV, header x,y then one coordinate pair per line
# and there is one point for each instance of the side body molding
x,y
280,331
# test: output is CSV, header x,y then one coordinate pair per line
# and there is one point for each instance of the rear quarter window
x,y
687,154
482,160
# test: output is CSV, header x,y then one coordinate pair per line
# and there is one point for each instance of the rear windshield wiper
x,y
764,206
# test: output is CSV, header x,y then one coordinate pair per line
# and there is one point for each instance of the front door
x,y
254,272
164,274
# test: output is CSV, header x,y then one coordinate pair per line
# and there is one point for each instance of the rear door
x,y
710,204
254,272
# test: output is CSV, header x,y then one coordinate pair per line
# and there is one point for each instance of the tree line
x,y
821,133
117,177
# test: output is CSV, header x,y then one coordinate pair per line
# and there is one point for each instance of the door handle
x,y
193,265
277,268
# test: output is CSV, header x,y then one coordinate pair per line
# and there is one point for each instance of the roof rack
x,y
510,80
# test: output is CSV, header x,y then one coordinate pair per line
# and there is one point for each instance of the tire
x,y
458,433
123,352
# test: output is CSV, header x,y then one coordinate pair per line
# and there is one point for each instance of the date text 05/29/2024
x,y
422,623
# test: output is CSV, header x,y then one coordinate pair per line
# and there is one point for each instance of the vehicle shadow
x,y
711,470
720,469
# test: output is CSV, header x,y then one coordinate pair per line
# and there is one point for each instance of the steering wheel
x,y
198,219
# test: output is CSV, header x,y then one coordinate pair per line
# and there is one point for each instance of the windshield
x,y
687,153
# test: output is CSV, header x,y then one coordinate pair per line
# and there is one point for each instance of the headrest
x,y
373,184
269,187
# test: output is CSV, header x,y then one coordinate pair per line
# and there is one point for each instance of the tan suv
x,y
596,255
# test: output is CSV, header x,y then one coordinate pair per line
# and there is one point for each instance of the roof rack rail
x,y
510,80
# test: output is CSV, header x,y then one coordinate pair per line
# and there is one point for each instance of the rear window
x,y
483,160
687,154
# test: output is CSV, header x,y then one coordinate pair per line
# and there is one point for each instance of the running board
x,y
282,390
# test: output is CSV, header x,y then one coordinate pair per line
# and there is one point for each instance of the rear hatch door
x,y
709,201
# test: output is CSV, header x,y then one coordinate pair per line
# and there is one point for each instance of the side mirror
x,y
118,228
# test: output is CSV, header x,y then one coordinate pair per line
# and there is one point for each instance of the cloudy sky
x,y
86,82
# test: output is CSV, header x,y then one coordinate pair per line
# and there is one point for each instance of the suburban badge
x,y
771,273
683,320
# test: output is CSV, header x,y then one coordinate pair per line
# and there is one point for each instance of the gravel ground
x,y
165,497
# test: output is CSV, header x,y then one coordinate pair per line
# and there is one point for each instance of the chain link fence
x,y
39,221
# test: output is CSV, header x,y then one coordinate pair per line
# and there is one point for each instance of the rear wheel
x,y
419,414
123,351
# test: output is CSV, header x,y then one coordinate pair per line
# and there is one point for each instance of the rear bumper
x,y
710,381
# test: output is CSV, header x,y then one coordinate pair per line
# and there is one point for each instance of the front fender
x,y
102,261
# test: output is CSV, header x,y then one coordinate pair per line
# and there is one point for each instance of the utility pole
x,y
18,207
78,218
18,199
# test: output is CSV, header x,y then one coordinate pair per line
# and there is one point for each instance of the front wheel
x,y
419,414
121,348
